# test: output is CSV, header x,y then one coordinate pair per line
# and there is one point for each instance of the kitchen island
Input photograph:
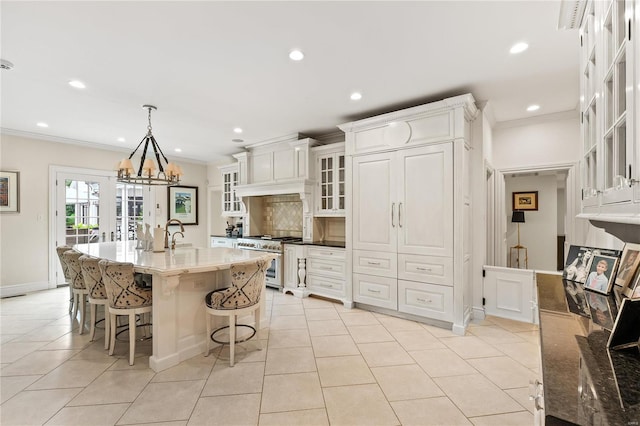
x,y
180,280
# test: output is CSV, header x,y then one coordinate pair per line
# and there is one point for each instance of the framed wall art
x,y
182,204
9,192
525,200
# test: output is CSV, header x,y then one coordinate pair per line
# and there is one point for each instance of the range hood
x,y
304,187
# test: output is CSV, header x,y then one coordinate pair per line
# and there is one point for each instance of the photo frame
x,y
9,192
633,291
629,263
182,204
602,269
601,309
625,333
527,201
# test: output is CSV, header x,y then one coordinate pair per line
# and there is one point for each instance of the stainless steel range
x,y
272,245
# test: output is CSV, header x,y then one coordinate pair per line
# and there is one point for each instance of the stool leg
x,y
232,338
82,312
132,337
107,326
93,322
112,344
70,298
208,336
75,304
257,314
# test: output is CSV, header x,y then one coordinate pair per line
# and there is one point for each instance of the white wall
x,y
538,233
24,246
537,143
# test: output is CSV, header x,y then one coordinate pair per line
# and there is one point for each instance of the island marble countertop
x,y
171,262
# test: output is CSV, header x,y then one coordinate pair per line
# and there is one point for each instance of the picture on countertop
x,y
601,271
634,290
628,265
601,312
576,300
577,264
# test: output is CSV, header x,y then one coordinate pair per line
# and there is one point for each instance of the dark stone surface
x,y
584,382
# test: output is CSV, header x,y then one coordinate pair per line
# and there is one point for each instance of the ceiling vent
x,y
571,14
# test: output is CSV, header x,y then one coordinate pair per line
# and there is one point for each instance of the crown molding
x,y
538,119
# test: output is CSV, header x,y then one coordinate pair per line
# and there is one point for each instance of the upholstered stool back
x,y
122,291
247,281
92,277
63,262
72,258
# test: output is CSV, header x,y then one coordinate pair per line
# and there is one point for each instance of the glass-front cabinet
x,y
609,100
330,180
230,202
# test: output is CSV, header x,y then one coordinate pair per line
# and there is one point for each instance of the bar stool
x,y
125,297
97,294
65,272
80,291
243,297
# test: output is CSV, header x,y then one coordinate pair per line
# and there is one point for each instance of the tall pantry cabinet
x,y
408,222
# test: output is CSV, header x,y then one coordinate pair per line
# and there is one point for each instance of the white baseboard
x,y
20,289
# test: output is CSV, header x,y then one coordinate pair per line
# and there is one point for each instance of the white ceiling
x,y
213,66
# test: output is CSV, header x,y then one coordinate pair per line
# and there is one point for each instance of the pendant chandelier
x,y
168,173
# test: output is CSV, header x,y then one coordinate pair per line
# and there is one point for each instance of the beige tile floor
x,y
321,364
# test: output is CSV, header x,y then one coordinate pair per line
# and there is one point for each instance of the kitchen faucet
x,y
166,231
173,239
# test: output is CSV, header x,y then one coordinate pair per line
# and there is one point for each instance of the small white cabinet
x,y
330,180
230,201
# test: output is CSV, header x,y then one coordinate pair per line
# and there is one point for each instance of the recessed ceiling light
x,y
77,84
296,55
122,140
237,140
531,108
356,96
519,47
41,124
177,150
237,130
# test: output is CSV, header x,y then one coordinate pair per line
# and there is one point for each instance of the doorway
x,y
90,206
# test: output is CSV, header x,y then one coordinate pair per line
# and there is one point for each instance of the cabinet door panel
x,y
426,197
436,270
376,291
427,300
375,263
374,192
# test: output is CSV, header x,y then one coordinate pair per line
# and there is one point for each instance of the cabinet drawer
x,y
326,253
375,263
435,270
324,285
328,267
426,300
222,242
376,291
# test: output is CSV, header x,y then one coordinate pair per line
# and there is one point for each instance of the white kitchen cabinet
x,y
330,180
610,98
230,201
407,200
408,214
320,271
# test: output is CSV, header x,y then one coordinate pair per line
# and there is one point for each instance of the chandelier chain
x,y
149,126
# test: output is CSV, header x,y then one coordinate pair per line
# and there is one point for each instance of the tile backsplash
x,y
282,215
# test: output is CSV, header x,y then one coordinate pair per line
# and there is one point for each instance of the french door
x,y
90,206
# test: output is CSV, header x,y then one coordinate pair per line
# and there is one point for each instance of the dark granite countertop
x,y
338,244
584,382
224,236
